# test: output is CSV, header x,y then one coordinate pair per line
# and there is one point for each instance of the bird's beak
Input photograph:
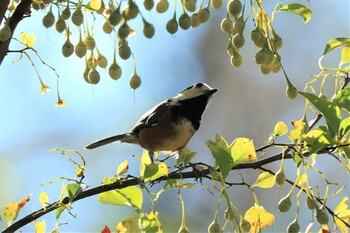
x,y
212,91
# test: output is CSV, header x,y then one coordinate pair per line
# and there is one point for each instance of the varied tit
x,y
169,125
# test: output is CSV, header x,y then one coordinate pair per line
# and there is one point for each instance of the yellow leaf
x,y
28,39
79,172
128,224
302,179
296,133
259,218
280,129
44,199
40,227
242,150
123,168
10,212
95,4
265,180
342,212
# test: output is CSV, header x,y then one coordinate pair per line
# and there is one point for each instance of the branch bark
x,y
132,181
22,8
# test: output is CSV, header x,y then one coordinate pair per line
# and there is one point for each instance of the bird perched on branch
x,y
169,125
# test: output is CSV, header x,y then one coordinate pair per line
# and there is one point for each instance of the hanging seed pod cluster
x,y
263,36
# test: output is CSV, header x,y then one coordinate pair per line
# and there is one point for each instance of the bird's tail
x,y
128,137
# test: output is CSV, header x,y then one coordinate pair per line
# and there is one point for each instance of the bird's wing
x,y
150,118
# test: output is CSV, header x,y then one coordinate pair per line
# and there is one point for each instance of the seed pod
x,y
172,26
280,178
5,32
162,6
261,42
67,48
270,56
94,76
114,71
217,4
229,214
65,13
60,25
124,31
89,41
77,16
214,227
204,14
184,21
148,29
238,25
265,69
275,67
86,73
255,35
321,216
80,49
183,229
226,25
135,81
91,61
115,17
124,50
190,5
48,19
195,20
107,27
238,40
101,60
291,91
277,40
245,225
131,10
260,57
310,203
148,4
284,204
236,60
234,8
293,227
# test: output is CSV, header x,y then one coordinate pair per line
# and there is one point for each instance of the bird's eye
x,y
198,85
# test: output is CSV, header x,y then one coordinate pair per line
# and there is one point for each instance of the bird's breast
x,y
165,136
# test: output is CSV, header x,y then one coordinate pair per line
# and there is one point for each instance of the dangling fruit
x,y
226,25
214,227
94,76
148,4
195,22
293,227
124,50
60,25
261,57
238,25
185,21
291,91
65,13
162,6
77,16
204,14
135,81
190,5
5,32
172,26
124,31
321,216
91,61
245,225
115,17
115,72
48,19
236,60
229,214
148,29
234,8
255,35
107,27
89,41
217,4
238,40
284,204
101,60
131,10
80,49
67,48
280,178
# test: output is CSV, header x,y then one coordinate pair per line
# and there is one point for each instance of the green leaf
x,y
185,156
299,9
130,196
315,140
265,180
149,223
343,98
344,127
222,158
153,171
330,111
345,55
171,184
73,190
243,150
335,43
296,158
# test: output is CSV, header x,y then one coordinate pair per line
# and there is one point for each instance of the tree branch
x,y
131,181
21,9
3,8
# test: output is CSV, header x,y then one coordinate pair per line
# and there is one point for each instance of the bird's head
x,y
196,90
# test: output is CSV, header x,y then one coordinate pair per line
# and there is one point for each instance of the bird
x,y
169,125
